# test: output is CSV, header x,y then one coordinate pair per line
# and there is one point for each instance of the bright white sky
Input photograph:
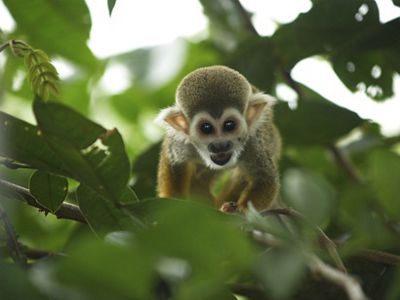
x,y
138,23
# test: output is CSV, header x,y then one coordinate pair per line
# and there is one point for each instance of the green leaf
x,y
281,271
93,155
111,4
227,23
314,121
16,284
103,215
202,223
384,174
89,270
207,244
370,61
329,25
144,169
396,2
357,210
394,291
49,190
308,193
24,142
61,29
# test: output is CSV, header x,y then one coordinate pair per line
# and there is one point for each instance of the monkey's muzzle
x,y
221,158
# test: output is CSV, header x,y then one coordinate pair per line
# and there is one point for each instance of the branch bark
x,y
351,286
66,210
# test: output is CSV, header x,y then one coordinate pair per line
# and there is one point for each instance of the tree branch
x,y
347,282
325,241
345,163
66,210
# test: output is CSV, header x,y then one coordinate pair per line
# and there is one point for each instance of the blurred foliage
x,y
337,169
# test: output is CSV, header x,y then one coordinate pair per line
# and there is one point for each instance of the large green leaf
x,y
16,284
314,121
61,28
144,169
281,271
308,193
24,142
328,25
93,155
370,60
49,190
384,173
104,215
207,246
105,271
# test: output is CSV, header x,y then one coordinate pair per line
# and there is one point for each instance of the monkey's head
x,y
216,111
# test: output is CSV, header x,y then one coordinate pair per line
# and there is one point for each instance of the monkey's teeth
x,y
221,158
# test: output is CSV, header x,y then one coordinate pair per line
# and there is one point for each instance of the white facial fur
x,y
201,141
179,128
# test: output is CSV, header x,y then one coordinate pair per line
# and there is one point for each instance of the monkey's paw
x,y
229,207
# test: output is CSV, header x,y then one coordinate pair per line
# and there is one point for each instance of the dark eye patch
x,y
206,128
229,125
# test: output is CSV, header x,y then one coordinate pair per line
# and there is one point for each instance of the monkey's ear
x,y
173,117
257,104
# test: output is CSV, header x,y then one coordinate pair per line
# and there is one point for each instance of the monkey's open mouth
x,y
221,158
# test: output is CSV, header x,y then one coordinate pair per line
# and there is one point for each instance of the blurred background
x,y
333,65
143,48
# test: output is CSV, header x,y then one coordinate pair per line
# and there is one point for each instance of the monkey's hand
x,y
229,207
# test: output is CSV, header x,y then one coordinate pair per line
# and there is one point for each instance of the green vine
x,y
42,75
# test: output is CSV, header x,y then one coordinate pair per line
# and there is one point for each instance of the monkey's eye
x,y
229,125
206,128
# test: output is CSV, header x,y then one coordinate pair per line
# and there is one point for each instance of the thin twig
x,y
66,210
347,282
328,244
39,254
12,242
380,257
345,163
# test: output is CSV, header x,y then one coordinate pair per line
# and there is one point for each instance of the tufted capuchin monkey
x,y
220,122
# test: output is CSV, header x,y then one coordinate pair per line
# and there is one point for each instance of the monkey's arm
x,y
174,178
260,187
257,177
261,191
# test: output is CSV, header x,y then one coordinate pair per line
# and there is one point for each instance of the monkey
x,y
220,122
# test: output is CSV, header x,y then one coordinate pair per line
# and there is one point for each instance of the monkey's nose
x,y
218,147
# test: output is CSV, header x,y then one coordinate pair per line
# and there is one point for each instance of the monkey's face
x,y
219,141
